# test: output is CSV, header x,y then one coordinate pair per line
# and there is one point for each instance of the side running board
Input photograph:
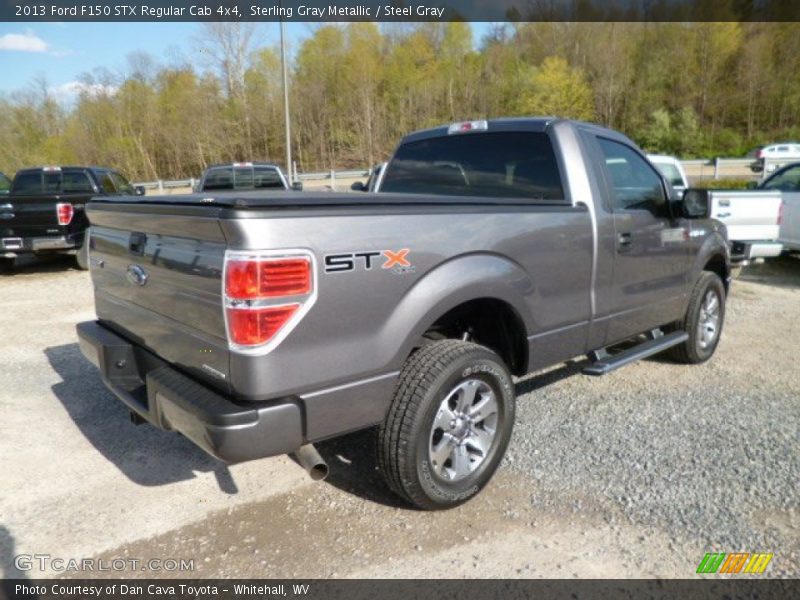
x,y
604,363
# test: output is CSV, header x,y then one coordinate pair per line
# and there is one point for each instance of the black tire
x,y
429,378
82,256
693,351
6,264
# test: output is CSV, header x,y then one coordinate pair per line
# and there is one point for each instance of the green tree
x,y
556,89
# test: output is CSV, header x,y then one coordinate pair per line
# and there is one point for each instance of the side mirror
x,y
696,203
358,186
297,186
751,185
139,190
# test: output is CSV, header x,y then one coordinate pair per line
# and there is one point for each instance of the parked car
x,y
772,157
787,182
672,169
241,176
44,211
258,325
372,181
5,185
752,218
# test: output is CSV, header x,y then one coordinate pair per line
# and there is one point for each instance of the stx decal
x,y
736,562
350,261
396,258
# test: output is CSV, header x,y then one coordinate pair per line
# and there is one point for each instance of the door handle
x,y
137,242
624,240
723,215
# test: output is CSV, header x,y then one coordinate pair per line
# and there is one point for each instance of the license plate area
x,y
11,243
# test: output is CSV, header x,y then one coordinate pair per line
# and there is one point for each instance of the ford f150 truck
x,y
44,212
752,219
242,176
786,182
258,325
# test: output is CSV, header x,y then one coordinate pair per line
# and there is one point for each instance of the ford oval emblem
x,y
136,275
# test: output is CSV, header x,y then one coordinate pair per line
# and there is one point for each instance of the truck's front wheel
x,y
703,322
449,424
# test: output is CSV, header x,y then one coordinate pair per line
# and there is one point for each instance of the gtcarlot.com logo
x,y
47,562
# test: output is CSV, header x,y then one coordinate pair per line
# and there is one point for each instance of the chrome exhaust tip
x,y
311,461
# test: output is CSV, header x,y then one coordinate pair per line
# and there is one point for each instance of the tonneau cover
x,y
288,200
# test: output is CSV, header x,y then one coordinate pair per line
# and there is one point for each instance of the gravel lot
x,y
637,474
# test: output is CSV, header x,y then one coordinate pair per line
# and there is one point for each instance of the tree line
x,y
691,89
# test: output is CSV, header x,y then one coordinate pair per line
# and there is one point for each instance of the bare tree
x,y
226,47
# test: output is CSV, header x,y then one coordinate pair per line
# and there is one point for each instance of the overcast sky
x,y
61,52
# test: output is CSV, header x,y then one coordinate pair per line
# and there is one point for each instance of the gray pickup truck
x,y
256,325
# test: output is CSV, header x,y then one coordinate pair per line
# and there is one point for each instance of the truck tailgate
x,y
28,216
157,280
748,215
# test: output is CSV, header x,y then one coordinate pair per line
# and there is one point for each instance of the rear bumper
x,y
170,400
742,251
21,245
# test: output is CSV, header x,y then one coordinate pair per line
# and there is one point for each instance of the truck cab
x,y
242,176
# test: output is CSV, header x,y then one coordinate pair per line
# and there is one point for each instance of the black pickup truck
x,y
44,211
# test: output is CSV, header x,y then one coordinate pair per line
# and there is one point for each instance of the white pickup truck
x,y
787,182
752,218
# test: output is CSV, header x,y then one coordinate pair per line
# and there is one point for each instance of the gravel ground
x,y
636,474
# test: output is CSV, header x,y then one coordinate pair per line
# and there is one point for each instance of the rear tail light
x,y
65,212
780,212
266,295
268,278
759,154
255,326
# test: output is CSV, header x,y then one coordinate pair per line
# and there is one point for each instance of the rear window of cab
x,y
242,178
493,164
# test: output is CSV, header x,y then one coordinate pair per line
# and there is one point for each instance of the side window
x,y
122,185
635,184
76,182
106,183
787,181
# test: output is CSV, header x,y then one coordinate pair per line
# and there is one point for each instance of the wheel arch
x,y
475,289
713,256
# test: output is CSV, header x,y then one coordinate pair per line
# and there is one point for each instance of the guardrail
x,y
713,168
332,176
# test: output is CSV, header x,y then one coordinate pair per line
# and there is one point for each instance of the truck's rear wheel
x,y
82,256
703,321
449,424
6,264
